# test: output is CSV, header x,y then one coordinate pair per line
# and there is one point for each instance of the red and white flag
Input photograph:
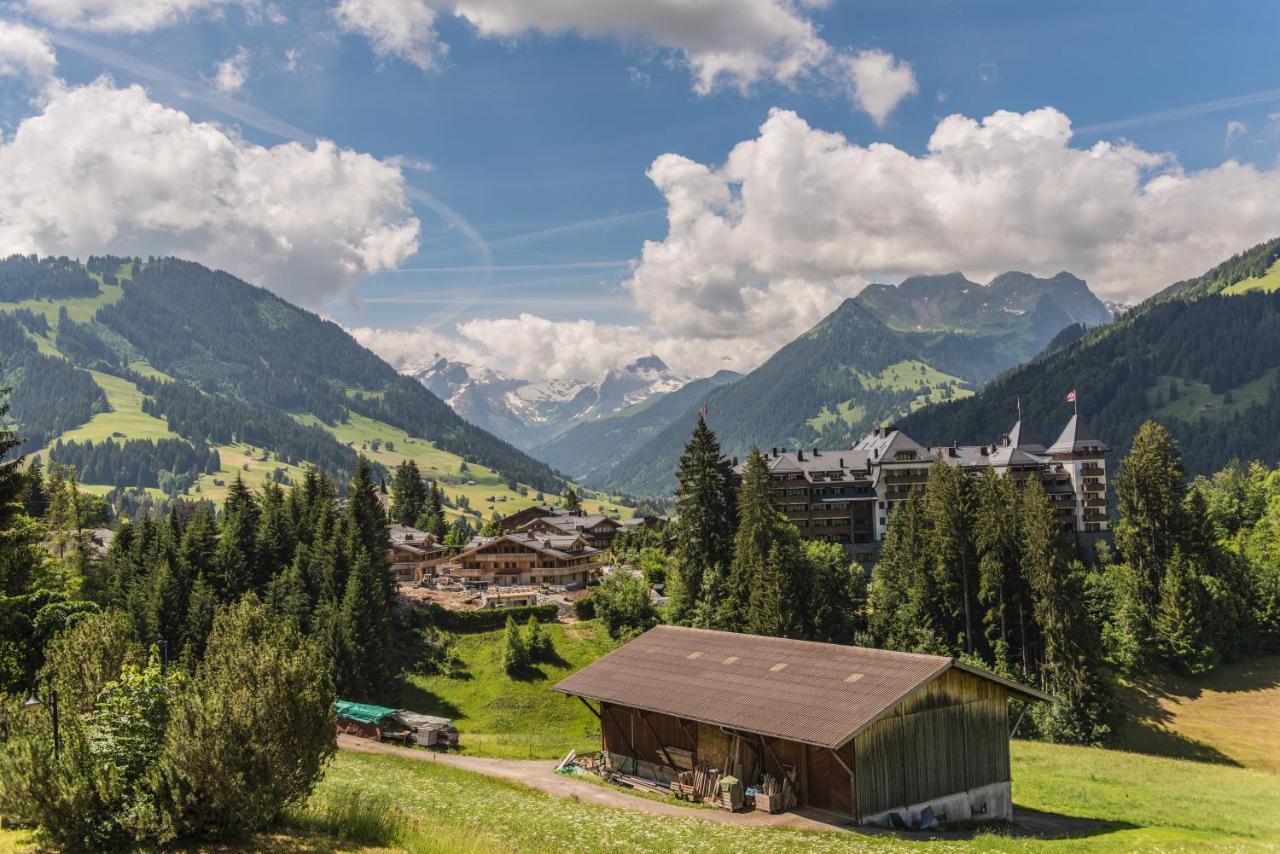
x,y
1071,396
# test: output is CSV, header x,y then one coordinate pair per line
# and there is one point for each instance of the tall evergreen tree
x,y
571,501
274,539
947,509
901,614
706,516
1002,590
35,500
235,561
408,494
1180,622
362,629
1150,490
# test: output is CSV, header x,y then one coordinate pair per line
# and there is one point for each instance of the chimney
x,y
800,455
815,453
735,461
984,450
842,462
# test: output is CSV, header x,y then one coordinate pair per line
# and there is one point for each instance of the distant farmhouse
x,y
846,496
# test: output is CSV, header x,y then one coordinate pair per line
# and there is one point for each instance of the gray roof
x,y
885,443
1077,436
816,693
548,544
1021,437
823,461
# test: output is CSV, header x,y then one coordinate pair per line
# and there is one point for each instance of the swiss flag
x,y
1071,396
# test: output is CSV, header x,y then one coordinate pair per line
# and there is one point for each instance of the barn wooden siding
x,y
947,737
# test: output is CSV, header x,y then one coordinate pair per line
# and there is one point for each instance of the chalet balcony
x,y
906,477
1095,516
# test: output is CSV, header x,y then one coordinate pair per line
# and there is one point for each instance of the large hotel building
x,y
846,496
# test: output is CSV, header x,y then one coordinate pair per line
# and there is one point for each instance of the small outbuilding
x,y
865,733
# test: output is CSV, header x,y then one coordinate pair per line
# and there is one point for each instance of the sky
x,y
553,188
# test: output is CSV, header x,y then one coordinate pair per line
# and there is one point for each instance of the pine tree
x,y
362,631
537,641
287,596
1180,619
274,539
571,501
235,561
706,509
369,526
764,612
458,535
947,515
901,613
35,500
1002,590
515,655
1149,494
836,596
201,605
408,494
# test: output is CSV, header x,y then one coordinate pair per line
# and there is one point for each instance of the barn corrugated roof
x,y
815,693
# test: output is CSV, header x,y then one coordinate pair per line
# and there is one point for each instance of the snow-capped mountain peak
x,y
528,413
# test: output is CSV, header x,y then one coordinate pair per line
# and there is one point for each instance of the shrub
x,y
250,735
489,618
623,606
584,608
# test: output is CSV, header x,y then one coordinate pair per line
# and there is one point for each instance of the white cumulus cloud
x,y
105,169
1234,130
395,28
760,247
25,52
879,82
723,43
232,73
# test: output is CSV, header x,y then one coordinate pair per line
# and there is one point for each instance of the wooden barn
x,y
860,732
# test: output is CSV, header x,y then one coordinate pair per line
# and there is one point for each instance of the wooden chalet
x,y
864,733
413,554
598,531
525,559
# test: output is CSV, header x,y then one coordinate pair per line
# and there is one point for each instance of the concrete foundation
x,y
987,803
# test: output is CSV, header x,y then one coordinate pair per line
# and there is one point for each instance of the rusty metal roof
x,y
815,693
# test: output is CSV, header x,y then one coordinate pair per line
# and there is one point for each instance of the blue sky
x,y
524,155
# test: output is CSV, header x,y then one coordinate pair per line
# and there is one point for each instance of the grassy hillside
x,y
1229,716
268,386
1268,282
523,718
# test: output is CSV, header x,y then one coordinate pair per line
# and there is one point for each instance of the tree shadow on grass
x,y
415,698
1149,726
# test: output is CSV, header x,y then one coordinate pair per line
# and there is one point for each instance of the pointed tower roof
x,y
1020,437
1077,436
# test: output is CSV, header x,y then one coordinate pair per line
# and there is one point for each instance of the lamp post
x,y
34,701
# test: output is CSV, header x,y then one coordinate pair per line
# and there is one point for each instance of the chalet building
x,y
865,733
599,531
527,558
413,554
846,496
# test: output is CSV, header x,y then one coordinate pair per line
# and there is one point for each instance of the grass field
x,y
1195,399
1143,803
1230,716
126,418
1268,281
515,718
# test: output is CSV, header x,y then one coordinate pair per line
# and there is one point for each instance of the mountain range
x,y
888,351
1202,358
169,379
528,413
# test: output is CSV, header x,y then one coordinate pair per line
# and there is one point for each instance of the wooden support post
x,y
653,732
853,779
589,707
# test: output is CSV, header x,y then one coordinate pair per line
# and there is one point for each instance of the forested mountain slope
x,y
1202,358
832,383
167,375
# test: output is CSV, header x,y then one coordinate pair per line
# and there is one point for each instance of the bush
x,y
250,735
489,619
584,608
623,606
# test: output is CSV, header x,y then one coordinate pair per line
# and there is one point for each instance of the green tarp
x,y
362,712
